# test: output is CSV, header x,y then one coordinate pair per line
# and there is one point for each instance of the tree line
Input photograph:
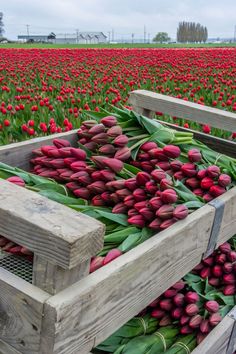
x,y
191,32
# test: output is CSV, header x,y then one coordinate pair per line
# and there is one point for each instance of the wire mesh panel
x,y
19,266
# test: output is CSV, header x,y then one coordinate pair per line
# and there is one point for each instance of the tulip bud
x,y
131,184
97,187
214,319
151,187
214,282
189,169
179,300
191,309
107,175
132,212
232,256
158,154
60,143
107,149
205,326
121,140
179,175
123,154
180,212
169,196
216,191
120,208
122,193
147,213
169,293
129,201
194,155
46,148
224,180
98,201
200,337
114,164
165,321
96,263
212,306
149,145
166,304
186,330
176,165
97,129
165,166
213,171
229,279
220,258
106,196
195,321
139,194
72,186
16,180
65,152
167,223
205,272
146,166
137,220
225,248
155,224
57,163
49,173
191,297
208,197
54,153
114,131
199,192
38,152
82,193
77,175
155,203
158,313
78,153
209,261
165,184
177,313
115,185
192,182
184,320
109,121
92,146
179,285
101,138
165,212
69,160
142,178
172,151
111,255
89,123
158,175
78,166
143,156
202,174
229,290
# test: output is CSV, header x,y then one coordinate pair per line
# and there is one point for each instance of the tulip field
x,y
135,175
43,91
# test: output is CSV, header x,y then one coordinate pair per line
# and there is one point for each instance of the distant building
x,y
66,38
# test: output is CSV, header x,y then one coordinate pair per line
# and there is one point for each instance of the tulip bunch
x,y
220,269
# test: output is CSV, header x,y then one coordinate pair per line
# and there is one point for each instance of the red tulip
x,y
59,143
229,290
216,191
212,306
111,255
97,129
131,184
167,223
192,182
214,319
142,178
16,180
120,208
224,180
139,195
137,220
149,145
180,212
195,321
109,121
179,300
114,131
123,154
96,263
213,171
114,164
107,149
82,193
155,224
165,212
121,140
158,313
176,165
172,151
191,309
155,202
205,326
194,155
158,175
191,297
78,153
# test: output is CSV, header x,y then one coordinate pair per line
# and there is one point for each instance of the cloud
x,y
124,16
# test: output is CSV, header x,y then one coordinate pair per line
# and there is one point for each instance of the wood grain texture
x,y
52,278
7,349
19,154
57,233
21,311
183,109
217,340
86,313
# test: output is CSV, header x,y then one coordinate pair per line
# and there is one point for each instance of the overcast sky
x,y
124,16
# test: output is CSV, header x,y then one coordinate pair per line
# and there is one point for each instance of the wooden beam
x,y
20,154
123,288
53,231
7,349
52,278
21,312
143,99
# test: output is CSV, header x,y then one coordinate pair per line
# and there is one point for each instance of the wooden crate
x,y
68,311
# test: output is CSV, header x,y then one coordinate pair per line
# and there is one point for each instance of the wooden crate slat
x,y
57,233
124,287
218,339
19,154
21,313
182,109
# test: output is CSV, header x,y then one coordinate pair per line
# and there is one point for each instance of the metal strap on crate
x,y
232,340
219,206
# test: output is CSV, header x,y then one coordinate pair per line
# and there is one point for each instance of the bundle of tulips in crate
x,y
134,174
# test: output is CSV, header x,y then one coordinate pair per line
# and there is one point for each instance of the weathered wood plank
x,y
183,109
19,154
7,349
124,287
217,341
52,278
57,233
21,311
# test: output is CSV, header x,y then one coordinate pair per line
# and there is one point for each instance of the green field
x,y
118,45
